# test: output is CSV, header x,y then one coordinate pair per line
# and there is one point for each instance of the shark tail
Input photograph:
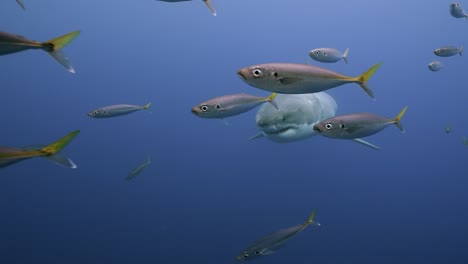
x,y
271,100
345,55
58,145
398,118
364,78
54,46
210,6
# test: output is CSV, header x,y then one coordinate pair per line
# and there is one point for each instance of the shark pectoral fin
x,y
365,143
259,135
62,160
289,80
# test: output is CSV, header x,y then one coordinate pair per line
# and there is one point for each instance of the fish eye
x,y
328,126
246,255
342,126
96,112
257,73
317,52
257,252
218,107
275,74
204,108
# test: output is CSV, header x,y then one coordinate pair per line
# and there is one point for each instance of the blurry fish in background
x,y
357,125
10,43
21,4
10,156
116,110
231,105
296,117
465,141
435,66
448,51
292,78
207,3
138,170
448,129
457,11
328,55
274,241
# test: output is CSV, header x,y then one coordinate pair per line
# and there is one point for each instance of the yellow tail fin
x,y
146,106
58,145
62,41
311,217
398,118
271,100
364,78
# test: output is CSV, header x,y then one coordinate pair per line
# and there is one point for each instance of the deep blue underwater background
x,y
209,192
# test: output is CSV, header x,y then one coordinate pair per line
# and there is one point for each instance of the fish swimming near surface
x,y
21,4
296,117
207,3
273,241
448,51
328,55
435,66
10,43
292,78
457,11
357,125
10,155
138,170
116,110
231,105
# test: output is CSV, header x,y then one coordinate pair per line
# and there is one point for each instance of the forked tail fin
x,y
398,118
54,46
210,6
21,4
58,145
364,78
271,100
345,55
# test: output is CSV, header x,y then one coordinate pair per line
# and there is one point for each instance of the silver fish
x,y
231,105
116,110
435,66
328,55
457,11
291,78
207,3
273,241
296,117
138,170
356,125
448,51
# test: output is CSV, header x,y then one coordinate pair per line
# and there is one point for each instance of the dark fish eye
x,y
275,74
257,252
328,126
257,72
204,108
246,255
342,126
218,107
317,52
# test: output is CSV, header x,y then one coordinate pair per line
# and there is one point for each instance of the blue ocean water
x,y
209,192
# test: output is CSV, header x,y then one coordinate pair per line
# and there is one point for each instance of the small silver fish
x,y
292,78
116,110
448,51
457,11
328,55
356,125
138,170
231,105
207,3
435,66
273,241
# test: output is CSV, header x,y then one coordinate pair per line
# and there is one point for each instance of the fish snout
x,y
317,128
194,111
243,74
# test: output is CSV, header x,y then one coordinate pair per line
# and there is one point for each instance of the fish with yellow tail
x,y
273,241
10,43
231,105
292,78
357,125
11,155
207,3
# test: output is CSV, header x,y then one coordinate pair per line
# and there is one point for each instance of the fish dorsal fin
x,y
289,80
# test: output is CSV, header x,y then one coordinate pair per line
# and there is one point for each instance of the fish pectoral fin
x,y
365,143
289,80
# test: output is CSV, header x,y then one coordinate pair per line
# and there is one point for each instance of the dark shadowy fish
x,y
273,241
448,51
138,170
116,110
435,66
465,141
10,156
328,55
296,117
457,11
21,4
356,125
207,3
10,43
231,105
292,78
